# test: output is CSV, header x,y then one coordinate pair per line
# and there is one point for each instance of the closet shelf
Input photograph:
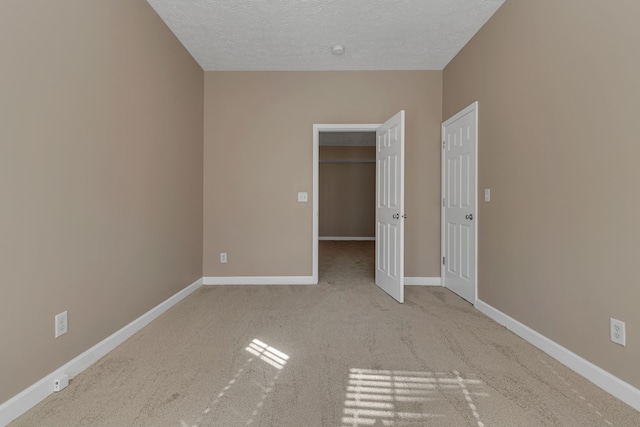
x,y
347,160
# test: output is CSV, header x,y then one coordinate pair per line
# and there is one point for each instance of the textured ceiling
x,y
299,34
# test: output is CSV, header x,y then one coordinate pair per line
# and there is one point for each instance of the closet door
x,y
390,207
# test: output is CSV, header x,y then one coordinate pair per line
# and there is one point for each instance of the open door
x,y
390,206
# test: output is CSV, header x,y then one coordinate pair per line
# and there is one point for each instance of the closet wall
x,y
347,181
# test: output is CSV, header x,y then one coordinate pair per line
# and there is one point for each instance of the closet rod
x,y
347,160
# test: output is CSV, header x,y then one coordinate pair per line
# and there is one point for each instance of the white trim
x,y
260,280
314,203
299,280
422,281
346,238
28,398
603,379
317,128
366,127
471,108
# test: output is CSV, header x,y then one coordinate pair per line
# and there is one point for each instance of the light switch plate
x,y
487,194
303,197
61,324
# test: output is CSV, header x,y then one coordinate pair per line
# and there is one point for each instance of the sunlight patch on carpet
x,y
404,398
240,401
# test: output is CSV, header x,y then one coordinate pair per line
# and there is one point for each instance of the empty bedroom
x,y
319,213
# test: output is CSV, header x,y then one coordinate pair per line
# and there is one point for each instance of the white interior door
x,y
390,206
459,206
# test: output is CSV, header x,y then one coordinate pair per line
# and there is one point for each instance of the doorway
x,y
333,132
347,207
389,196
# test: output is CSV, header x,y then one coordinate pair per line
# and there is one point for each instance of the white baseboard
x,y
346,238
300,280
259,280
422,281
28,398
603,379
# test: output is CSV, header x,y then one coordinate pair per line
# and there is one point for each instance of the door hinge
x,y
443,143
443,258
444,202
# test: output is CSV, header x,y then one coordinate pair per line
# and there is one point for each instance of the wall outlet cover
x,y
61,382
618,334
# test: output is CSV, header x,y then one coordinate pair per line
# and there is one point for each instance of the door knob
x,y
396,216
470,216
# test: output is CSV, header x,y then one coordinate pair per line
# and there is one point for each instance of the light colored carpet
x,y
342,353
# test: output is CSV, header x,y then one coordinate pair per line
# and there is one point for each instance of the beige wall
x,y
347,191
258,154
558,89
100,175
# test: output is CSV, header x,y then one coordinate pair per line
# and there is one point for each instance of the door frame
x,y
473,108
317,128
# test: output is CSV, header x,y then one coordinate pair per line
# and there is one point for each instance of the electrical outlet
x,y
618,335
223,257
61,324
61,382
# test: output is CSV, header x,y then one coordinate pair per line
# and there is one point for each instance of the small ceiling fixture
x,y
337,49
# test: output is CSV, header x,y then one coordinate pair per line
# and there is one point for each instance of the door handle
x,y
396,216
469,217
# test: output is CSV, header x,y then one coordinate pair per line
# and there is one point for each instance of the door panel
x,y
459,212
390,207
